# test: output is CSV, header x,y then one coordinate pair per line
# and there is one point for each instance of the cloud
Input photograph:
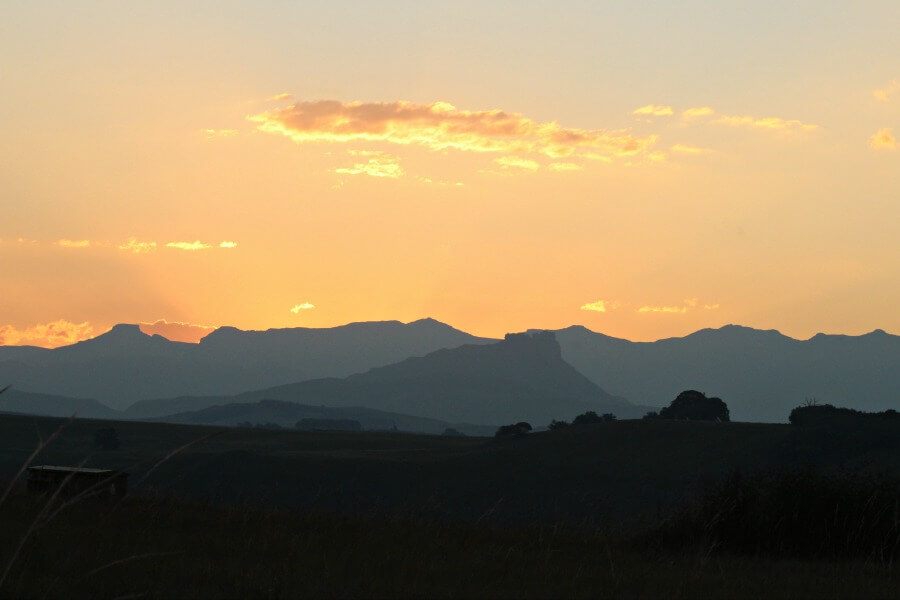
x,y
442,126
377,166
227,244
195,245
697,112
884,94
177,331
654,110
564,166
298,307
883,139
280,97
598,306
73,243
133,245
516,162
772,123
220,132
687,305
683,149
48,335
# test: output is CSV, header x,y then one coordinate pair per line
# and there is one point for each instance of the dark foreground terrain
x,y
621,509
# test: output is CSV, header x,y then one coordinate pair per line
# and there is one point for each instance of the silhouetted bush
x,y
452,432
692,405
801,513
587,418
609,417
106,439
517,429
651,415
555,425
827,413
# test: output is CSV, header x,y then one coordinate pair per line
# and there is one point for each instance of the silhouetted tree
x,y
587,418
554,425
452,432
608,417
828,413
651,415
517,429
692,405
106,439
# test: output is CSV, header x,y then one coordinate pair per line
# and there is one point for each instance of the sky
x,y
644,169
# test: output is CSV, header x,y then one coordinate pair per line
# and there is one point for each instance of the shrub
x,y
587,418
692,405
555,425
515,430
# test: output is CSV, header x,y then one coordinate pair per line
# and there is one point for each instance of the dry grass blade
x,y
42,444
174,453
131,558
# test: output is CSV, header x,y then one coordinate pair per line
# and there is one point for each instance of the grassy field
x,y
255,513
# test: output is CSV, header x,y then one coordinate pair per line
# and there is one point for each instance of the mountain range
x,y
431,370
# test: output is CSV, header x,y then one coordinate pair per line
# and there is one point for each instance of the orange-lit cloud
x,y
883,139
885,93
220,132
280,97
227,244
133,245
564,166
653,110
177,331
598,306
195,245
516,162
688,305
442,126
684,149
697,112
47,335
298,307
773,123
73,243
379,165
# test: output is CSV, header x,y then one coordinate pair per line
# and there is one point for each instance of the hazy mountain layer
x,y
286,414
761,375
520,378
16,401
125,365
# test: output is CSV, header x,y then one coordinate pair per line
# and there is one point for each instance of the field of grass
x,y
252,513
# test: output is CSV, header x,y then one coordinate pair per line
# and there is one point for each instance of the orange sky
x,y
643,172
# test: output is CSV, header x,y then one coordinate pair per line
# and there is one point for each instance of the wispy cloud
x,y
684,149
697,112
653,110
379,165
687,305
220,132
884,94
564,166
516,162
298,307
883,139
771,123
47,335
177,331
280,97
73,243
597,306
133,245
442,126
227,244
195,245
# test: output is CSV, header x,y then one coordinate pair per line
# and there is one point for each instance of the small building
x,y
77,480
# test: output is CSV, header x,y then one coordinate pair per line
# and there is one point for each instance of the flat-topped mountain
x,y
520,378
760,374
126,365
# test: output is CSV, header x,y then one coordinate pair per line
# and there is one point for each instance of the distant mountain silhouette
x,y
287,414
761,375
125,365
17,401
520,378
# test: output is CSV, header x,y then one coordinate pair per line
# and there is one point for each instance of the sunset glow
x,y
311,165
